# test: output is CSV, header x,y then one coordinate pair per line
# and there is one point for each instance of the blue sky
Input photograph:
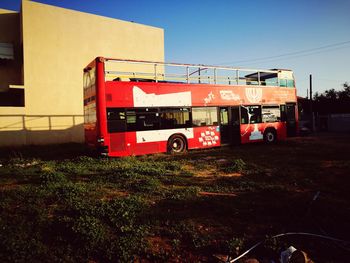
x,y
251,34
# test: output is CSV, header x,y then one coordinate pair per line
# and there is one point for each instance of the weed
x,y
81,165
234,166
183,193
187,232
148,185
186,173
126,247
178,180
175,243
48,177
89,231
201,165
234,246
19,170
122,212
273,244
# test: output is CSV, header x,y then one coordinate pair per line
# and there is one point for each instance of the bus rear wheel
x,y
177,144
270,136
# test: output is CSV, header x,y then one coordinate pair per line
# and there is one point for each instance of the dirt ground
x,y
300,185
244,195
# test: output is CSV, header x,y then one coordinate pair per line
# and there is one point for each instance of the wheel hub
x,y
270,137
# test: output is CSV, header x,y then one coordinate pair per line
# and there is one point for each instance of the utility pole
x,y
310,101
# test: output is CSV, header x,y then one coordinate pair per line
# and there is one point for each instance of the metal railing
x,y
189,73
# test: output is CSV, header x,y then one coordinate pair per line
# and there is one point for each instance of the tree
x,y
345,94
331,94
333,101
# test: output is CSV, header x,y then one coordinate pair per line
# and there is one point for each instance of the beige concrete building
x,y
44,50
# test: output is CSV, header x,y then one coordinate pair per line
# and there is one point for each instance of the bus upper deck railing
x,y
191,73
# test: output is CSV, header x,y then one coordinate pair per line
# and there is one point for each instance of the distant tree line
x,y
332,101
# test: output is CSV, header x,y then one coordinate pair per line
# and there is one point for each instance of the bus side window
x,y
131,120
283,83
250,114
244,115
204,116
286,83
290,83
255,114
116,121
171,118
271,113
142,119
147,119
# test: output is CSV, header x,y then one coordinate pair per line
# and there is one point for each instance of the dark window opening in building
x,y
12,98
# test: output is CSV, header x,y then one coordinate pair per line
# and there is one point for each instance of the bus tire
x,y
270,136
177,144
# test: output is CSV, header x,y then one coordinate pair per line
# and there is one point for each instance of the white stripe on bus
x,y
162,135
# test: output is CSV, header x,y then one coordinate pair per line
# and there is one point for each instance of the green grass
x,y
77,208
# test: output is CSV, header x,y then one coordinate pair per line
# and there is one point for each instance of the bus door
x,y
291,119
224,125
235,126
229,125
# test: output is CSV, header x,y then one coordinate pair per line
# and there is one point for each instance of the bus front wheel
x,y
176,144
270,136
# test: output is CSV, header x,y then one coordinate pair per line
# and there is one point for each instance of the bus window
x,y
290,83
142,119
244,115
271,113
286,79
90,113
171,118
204,116
270,81
250,114
262,78
286,83
116,120
224,116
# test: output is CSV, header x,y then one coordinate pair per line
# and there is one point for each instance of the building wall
x,y
57,44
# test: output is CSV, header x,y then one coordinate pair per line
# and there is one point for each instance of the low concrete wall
x,y
18,128
339,122
334,122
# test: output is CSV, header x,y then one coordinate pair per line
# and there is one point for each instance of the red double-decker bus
x,y
142,107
